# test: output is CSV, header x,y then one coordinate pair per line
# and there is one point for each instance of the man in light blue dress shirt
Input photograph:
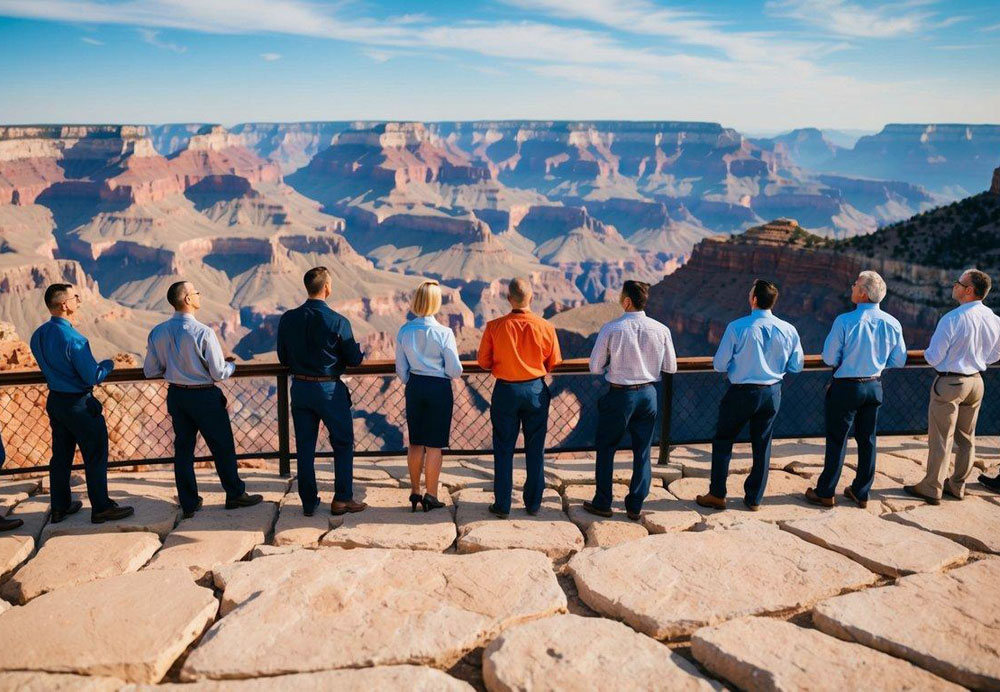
x,y
630,352
187,354
860,346
77,418
755,353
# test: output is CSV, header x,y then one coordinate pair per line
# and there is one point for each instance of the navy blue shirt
x,y
316,341
64,357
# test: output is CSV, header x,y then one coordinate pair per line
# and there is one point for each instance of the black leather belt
x,y
192,386
311,378
630,386
874,378
517,381
748,385
957,374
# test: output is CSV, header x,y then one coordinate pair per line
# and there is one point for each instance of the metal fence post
x,y
284,460
666,413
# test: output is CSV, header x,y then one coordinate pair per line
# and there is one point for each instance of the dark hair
x,y
315,279
980,282
176,294
637,292
518,289
766,294
53,295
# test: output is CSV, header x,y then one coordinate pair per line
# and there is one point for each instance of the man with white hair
x,y
862,344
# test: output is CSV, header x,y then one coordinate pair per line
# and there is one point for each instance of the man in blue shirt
x,y
187,354
69,368
317,345
860,346
755,353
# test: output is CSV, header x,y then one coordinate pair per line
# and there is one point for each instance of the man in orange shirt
x,y
519,348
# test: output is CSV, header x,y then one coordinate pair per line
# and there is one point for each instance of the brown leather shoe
x,y
337,507
711,501
752,508
929,499
815,499
849,494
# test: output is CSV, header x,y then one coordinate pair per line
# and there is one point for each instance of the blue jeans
x,y
516,406
329,402
620,411
846,403
202,411
744,404
78,419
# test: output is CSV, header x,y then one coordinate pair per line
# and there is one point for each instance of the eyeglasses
x,y
75,296
959,283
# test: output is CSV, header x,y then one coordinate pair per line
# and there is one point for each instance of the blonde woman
x,y
426,362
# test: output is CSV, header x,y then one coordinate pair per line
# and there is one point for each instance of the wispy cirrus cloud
x,y
153,38
868,20
270,57
91,41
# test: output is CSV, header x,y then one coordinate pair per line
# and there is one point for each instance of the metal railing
x,y
140,431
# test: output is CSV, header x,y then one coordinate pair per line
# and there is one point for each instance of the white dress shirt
x,y
966,340
185,351
633,349
424,346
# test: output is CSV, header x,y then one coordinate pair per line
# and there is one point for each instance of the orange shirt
x,y
519,346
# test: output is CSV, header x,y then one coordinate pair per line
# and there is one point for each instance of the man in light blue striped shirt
x,y
861,344
755,353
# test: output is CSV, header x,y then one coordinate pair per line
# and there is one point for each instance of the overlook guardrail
x,y
140,431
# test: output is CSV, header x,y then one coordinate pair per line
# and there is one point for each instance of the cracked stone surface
x,y
294,528
131,627
152,514
659,584
745,652
13,493
600,531
70,560
389,523
311,610
550,531
57,682
455,475
972,522
416,678
17,545
887,548
947,623
214,537
569,652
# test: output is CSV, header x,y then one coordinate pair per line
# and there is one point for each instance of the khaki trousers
x,y
951,417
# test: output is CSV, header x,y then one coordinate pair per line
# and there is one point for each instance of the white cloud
x,y
870,20
379,56
153,38
92,41
993,27
270,57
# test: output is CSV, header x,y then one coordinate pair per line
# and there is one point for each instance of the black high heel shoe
x,y
414,501
430,502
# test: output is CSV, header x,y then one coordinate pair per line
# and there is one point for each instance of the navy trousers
x,y
519,406
78,419
850,402
3,452
744,404
620,411
202,411
329,402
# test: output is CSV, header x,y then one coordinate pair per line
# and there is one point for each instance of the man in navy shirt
x,y
69,368
317,345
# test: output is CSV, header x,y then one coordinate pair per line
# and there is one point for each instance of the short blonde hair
x,y
427,299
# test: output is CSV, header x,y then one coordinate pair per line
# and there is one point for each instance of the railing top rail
x,y
387,367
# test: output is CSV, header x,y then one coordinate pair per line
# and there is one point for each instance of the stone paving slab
x,y
152,514
485,469
947,623
70,560
607,531
563,473
550,531
783,498
17,546
455,475
670,584
409,678
569,652
972,522
746,652
132,627
313,610
389,523
14,492
886,548
294,528
214,537
56,682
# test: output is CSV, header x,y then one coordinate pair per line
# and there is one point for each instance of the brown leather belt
x,y
311,378
630,386
192,386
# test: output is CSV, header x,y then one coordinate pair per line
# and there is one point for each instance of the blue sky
x,y
759,66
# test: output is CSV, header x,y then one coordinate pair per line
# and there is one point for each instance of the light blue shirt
x,y
633,349
64,357
185,351
424,346
966,340
759,349
864,342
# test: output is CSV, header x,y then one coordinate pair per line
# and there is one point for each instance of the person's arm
x,y
897,358
349,348
152,366
937,349
555,353
485,355
89,370
402,364
452,363
669,355
724,354
282,344
600,356
833,347
211,353
797,359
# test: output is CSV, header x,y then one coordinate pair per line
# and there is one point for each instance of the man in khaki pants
x,y
966,340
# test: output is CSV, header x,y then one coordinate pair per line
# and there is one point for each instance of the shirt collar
x,y
633,315
520,311
184,316
315,301
426,319
61,320
971,304
867,306
761,313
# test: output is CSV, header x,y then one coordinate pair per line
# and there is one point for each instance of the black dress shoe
x,y
634,516
10,524
188,515
929,499
532,512
415,500
309,511
496,512
991,483
113,512
244,500
589,506
58,515
430,502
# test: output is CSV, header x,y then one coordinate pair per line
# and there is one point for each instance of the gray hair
x,y
873,285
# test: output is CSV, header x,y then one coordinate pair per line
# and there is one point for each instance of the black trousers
x,y
78,420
